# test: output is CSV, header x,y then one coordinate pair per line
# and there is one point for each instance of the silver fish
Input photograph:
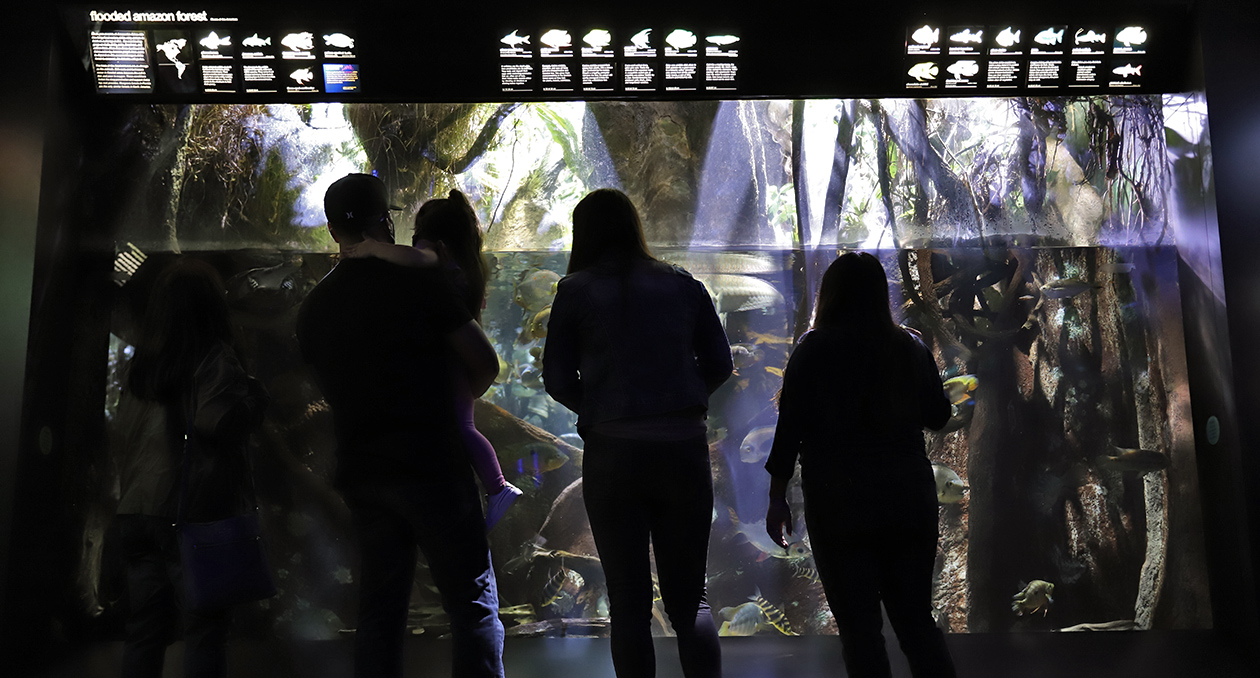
x,y
680,39
556,38
598,38
756,535
966,35
641,39
213,41
742,263
299,42
736,293
302,76
756,446
1089,36
339,40
512,39
964,69
1067,287
722,39
925,70
1127,71
1007,37
255,41
1131,35
1049,37
949,487
926,35
742,620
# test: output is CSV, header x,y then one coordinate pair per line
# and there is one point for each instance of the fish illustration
x,y
1069,287
1127,71
255,41
949,487
641,39
1129,459
959,389
299,42
755,534
924,70
1037,595
536,289
213,41
556,38
339,40
722,39
967,35
680,39
1131,35
964,69
1049,37
512,39
598,38
756,446
1089,36
302,76
926,35
1007,37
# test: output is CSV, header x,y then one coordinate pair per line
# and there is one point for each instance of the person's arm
x,y
476,354
788,434
401,255
229,403
562,352
934,406
713,351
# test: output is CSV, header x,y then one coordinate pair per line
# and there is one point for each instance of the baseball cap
x,y
357,200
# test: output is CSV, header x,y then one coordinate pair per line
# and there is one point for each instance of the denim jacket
x,y
645,343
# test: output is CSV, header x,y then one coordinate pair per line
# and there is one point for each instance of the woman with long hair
x,y
635,348
184,380
857,392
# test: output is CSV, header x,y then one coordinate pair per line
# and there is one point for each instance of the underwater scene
x,y
1032,241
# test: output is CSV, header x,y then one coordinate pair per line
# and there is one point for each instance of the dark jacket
x,y
645,343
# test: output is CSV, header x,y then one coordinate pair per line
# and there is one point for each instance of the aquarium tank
x,y
1031,241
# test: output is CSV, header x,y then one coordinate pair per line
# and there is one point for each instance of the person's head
x,y
186,316
452,222
357,207
854,294
606,226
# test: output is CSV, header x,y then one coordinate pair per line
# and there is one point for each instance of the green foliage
x,y
781,207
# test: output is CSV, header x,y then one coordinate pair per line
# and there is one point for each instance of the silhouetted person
x,y
184,378
857,392
380,338
634,346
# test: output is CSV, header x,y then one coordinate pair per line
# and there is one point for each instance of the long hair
x,y
452,221
606,227
186,317
854,295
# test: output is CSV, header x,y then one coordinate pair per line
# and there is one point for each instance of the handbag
x,y
223,561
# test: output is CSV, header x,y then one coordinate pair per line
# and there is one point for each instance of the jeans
x,y
441,516
155,610
639,491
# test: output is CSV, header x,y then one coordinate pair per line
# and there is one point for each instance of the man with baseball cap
x,y
378,338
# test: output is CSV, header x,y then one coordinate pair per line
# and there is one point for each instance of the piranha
x,y
1007,37
949,487
557,38
536,289
299,42
512,39
1089,36
1049,37
642,38
213,41
964,69
925,70
755,534
1038,595
1131,35
1129,459
339,40
756,446
960,389
680,39
1067,287
926,35
967,35
598,38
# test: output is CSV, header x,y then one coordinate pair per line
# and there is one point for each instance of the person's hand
x,y
778,517
361,250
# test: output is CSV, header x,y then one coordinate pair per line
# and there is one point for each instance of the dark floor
x,y
1152,654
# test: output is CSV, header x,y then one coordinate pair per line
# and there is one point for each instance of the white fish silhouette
x,y
966,35
512,39
171,49
302,76
641,39
722,39
598,38
1007,37
1089,36
925,70
926,35
299,42
339,40
213,41
964,69
255,41
556,38
1049,37
1131,35
680,39
1127,70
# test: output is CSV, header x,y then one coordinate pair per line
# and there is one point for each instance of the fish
x,y
556,38
598,38
742,620
538,324
756,535
680,38
966,35
641,39
505,371
722,40
756,446
255,41
1089,36
1131,35
742,263
805,569
964,69
772,339
1127,71
746,355
1049,37
736,293
776,371
302,76
1007,37
1117,267
536,289
924,70
213,41
339,40
531,378
531,459
960,388
1130,459
1037,595
512,39
773,615
1065,288
562,589
299,42
949,487
926,35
